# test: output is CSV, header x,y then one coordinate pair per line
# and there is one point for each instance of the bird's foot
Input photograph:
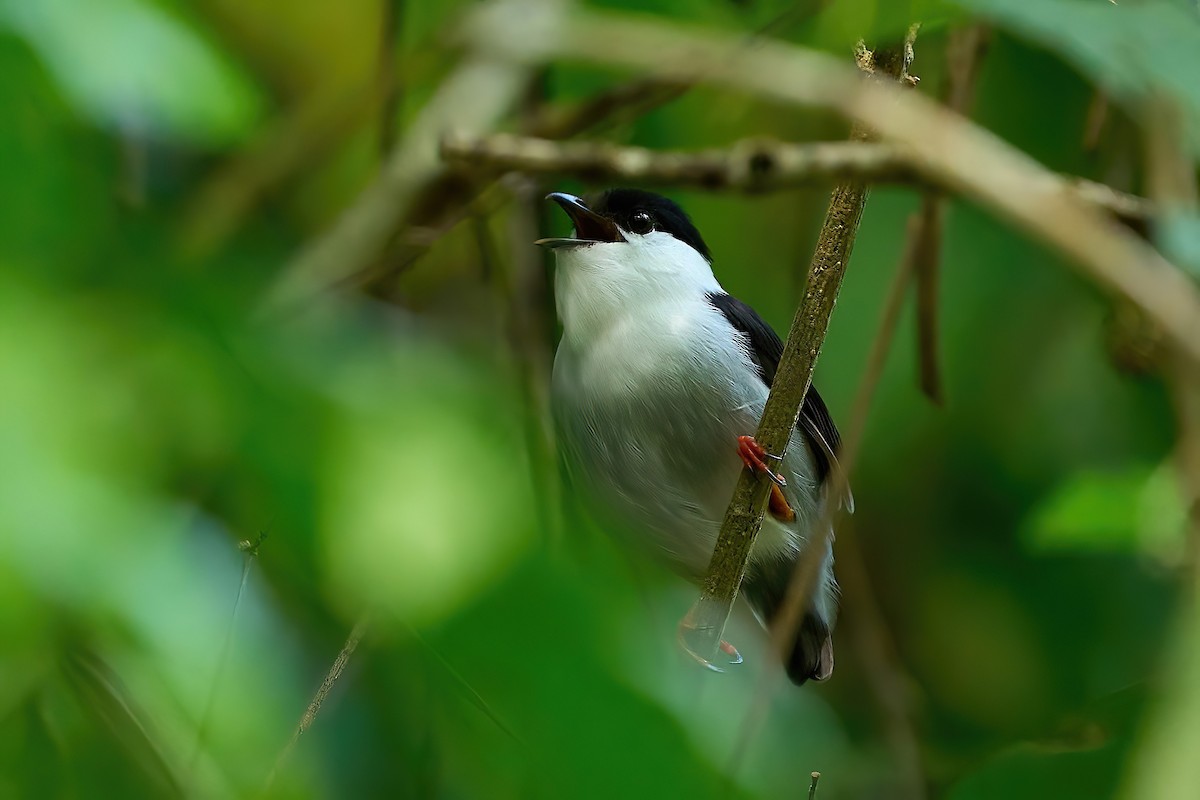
x,y
755,456
690,639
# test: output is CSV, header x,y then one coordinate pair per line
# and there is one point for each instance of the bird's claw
x,y
688,632
755,456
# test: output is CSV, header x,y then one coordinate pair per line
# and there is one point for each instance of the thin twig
x,y
314,706
480,91
878,658
804,577
964,55
472,693
927,248
249,551
812,787
440,205
744,515
751,165
1171,182
948,149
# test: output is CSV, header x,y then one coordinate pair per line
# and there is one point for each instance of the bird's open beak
x,y
590,227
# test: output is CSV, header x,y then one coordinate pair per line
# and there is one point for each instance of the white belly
x,y
651,416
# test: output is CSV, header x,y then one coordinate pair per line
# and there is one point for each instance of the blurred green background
x,y
161,162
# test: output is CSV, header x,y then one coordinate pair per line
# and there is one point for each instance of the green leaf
x,y
1134,510
1133,50
129,64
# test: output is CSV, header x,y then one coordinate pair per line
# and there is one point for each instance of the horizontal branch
x,y
751,165
950,150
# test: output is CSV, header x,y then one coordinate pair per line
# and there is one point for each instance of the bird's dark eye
x,y
641,222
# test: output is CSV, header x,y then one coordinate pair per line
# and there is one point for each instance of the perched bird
x,y
659,381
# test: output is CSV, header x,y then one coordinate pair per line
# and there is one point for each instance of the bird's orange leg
x,y
755,456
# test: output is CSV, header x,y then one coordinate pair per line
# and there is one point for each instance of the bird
x,y
659,381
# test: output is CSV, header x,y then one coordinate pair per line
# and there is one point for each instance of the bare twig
x,y
964,55
1185,385
623,101
926,233
751,165
947,148
744,515
470,691
812,787
440,205
478,92
297,137
249,551
314,706
804,577
878,658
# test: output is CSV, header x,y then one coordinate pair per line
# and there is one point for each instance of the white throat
x,y
600,285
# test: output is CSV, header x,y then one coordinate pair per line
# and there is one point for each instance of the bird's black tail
x,y
811,656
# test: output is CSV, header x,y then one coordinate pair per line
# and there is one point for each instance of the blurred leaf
x,y
1134,50
1164,766
428,500
1035,772
130,65
1135,510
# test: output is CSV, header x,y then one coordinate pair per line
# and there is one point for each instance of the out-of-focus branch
x,y
835,240
946,148
441,205
965,49
877,654
314,706
625,100
744,515
484,86
299,136
752,165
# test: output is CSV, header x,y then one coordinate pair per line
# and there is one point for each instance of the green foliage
x,y
137,88
1137,510
1022,550
1135,50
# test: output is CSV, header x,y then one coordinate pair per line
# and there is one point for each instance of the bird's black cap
x,y
598,218
620,205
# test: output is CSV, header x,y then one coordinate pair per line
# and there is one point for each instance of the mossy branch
x,y
744,515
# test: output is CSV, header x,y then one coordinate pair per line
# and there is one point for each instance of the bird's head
x,y
629,249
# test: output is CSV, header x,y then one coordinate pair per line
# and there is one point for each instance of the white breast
x,y
651,405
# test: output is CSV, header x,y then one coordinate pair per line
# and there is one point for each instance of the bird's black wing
x,y
766,349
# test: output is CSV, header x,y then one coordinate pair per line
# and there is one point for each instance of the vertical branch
x,y
1185,383
964,53
744,515
884,679
1166,759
